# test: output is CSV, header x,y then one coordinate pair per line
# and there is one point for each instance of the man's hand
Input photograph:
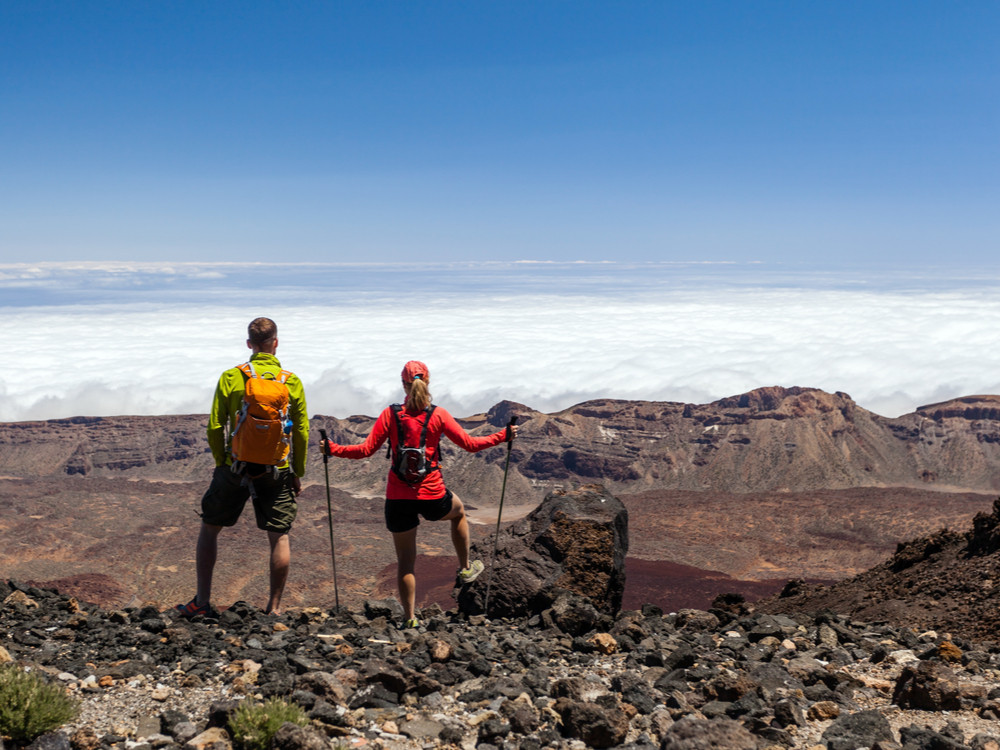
x,y
296,484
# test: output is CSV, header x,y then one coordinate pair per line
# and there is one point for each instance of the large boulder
x,y
929,686
575,541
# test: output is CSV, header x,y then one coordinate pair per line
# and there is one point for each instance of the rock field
x,y
570,677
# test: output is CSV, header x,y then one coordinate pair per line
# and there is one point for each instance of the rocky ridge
x,y
784,439
569,677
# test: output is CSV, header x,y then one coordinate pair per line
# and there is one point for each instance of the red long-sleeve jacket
x,y
441,423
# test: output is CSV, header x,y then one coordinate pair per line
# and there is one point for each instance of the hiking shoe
x,y
191,609
471,573
413,622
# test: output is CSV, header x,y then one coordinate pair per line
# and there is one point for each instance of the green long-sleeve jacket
x,y
229,398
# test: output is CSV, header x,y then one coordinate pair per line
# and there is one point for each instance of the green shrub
x,y
254,724
29,706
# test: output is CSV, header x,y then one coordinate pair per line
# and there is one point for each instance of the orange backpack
x,y
263,429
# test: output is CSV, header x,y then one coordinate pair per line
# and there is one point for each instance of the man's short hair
x,y
261,330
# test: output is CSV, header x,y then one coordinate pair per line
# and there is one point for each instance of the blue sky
x,y
784,132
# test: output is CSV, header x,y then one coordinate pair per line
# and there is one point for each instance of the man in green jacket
x,y
272,488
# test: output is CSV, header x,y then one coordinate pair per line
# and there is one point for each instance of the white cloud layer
x,y
550,346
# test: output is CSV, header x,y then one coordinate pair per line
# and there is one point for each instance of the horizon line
x,y
966,398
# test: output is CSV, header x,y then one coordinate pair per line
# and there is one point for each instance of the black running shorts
x,y
403,515
274,506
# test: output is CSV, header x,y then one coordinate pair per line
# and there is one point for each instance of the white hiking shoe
x,y
471,573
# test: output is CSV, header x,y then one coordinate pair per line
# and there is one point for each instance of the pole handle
x,y
510,439
323,439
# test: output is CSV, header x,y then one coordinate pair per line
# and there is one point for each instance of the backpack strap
x,y
423,433
396,409
247,369
400,438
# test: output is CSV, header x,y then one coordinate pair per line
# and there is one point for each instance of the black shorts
x,y
274,506
403,515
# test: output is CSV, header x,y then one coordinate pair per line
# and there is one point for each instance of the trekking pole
x,y
496,537
329,515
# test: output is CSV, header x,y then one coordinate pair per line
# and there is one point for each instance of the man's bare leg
x,y
281,557
206,552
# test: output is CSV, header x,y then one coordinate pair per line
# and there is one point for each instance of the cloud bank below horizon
x,y
548,346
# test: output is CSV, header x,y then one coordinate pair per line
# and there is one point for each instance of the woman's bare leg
x,y
406,558
459,531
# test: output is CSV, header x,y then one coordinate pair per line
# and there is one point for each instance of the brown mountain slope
x,y
771,439
946,580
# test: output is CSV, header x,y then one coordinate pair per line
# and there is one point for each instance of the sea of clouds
x,y
148,338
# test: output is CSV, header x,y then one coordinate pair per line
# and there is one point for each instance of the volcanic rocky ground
x,y
567,677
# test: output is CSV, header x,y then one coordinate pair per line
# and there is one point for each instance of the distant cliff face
x,y
165,448
771,439
793,439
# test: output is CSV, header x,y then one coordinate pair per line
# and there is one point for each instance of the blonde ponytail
x,y
418,395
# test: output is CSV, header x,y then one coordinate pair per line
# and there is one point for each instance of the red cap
x,y
414,370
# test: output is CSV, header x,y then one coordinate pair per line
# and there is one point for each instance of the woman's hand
x,y
511,432
327,446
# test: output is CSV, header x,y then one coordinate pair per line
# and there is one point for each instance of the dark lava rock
x,y
927,686
594,724
863,729
374,696
51,741
293,737
170,719
984,538
574,540
572,614
220,712
788,713
924,738
699,734
492,730
390,609
523,718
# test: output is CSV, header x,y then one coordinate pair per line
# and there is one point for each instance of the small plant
x,y
254,725
30,706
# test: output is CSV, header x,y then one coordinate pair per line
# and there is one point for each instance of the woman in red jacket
x,y
415,486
